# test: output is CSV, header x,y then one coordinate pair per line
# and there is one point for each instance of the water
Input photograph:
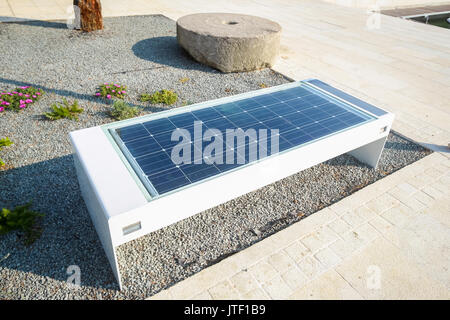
x,y
437,20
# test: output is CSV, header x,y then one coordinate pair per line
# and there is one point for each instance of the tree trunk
x,y
90,14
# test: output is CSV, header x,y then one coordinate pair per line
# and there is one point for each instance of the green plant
x,y
121,111
145,97
64,110
4,143
164,96
109,90
23,219
19,98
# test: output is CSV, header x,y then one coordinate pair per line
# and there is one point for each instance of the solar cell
x,y
300,114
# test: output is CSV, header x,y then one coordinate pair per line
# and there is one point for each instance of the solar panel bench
x,y
142,174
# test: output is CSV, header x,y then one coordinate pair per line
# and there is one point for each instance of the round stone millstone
x,y
230,42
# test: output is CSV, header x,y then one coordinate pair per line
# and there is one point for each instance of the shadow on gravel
x,y
34,23
65,93
68,236
403,145
166,51
76,95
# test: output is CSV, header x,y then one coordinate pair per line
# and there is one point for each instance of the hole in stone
x,y
231,22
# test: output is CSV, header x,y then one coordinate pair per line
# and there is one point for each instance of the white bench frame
x,y
122,210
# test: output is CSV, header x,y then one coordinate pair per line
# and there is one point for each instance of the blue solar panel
x,y
300,114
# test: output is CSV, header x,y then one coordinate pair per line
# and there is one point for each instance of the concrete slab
x,y
382,271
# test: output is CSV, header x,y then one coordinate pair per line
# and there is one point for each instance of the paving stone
x,y
439,211
445,180
204,295
381,224
399,215
366,232
424,240
339,226
277,288
310,266
403,191
343,206
423,179
243,282
294,278
162,295
329,285
353,219
446,163
382,203
444,188
255,294
339,208
297,251
434,173
223,291
424,198
434,193
349,245
320,238
281,261
414,204
381,271
365,213
327,258
263,271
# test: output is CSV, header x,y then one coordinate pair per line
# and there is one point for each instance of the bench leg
x,y
98,219
370,153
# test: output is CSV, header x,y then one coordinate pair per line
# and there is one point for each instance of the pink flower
x,y
21,102
114,91
2,109
123,91
26,87
6,103
107,87
34,96
20,94
117,85
38,93
28,101
97,94
15,92
27,95
108,96
106,83
22,106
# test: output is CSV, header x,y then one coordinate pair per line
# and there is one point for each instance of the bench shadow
x,y
166,51
68,235
436,147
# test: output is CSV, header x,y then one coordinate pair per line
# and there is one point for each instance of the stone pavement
x,y
390,240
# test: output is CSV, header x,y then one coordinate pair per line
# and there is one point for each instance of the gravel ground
x,y
140,52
